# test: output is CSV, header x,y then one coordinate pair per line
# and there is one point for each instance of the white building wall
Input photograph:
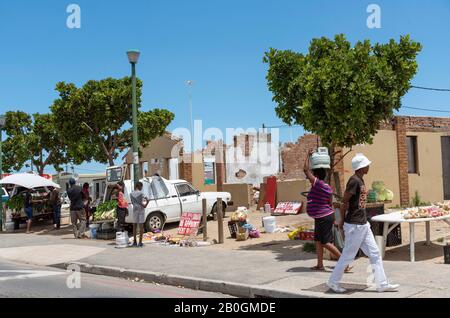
x,y
264,160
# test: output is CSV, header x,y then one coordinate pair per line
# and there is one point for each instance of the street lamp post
x,y
133,57
190,83
2,124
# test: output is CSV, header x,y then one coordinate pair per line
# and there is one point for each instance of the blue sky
x,y
219,44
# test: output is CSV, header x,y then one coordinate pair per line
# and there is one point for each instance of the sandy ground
x,y
440,235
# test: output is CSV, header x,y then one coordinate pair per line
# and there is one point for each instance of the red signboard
x,y
189,223
288,208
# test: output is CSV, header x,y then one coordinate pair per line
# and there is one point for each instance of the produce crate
x,y
109,234
447,254
306,236
395,237
233,227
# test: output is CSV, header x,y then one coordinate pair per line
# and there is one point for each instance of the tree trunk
x,y
111,159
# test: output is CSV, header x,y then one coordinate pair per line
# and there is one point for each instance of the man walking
x,y
55,203
358,234
139,206
77,212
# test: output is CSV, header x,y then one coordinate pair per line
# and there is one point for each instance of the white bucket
x,y
270,224
9,226
122,239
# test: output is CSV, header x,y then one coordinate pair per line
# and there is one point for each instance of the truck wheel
x,y
224,208
155,221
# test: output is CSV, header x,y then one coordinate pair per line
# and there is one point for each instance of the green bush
x,y
417,201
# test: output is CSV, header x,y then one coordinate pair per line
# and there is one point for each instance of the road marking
x,y
26,274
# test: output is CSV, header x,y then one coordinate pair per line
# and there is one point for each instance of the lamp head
x,y
133,56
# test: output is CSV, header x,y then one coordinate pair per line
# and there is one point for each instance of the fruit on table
x,y
425,213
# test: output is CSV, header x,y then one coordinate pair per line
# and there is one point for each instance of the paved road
x,y
17,280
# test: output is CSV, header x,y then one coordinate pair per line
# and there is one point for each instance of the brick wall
x,y
402,152
185,168
293,156
425,124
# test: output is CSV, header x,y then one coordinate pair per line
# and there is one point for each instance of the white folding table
x,y
392,220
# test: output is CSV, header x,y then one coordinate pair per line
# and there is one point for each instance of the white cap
x,y
360,161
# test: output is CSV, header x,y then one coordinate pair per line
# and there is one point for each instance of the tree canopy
x,y
32,138
93,119
342,92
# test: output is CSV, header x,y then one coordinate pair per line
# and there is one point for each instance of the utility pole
x,y
2,124
190,83
133,57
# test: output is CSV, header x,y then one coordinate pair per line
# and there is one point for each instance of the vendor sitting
x,y
320,208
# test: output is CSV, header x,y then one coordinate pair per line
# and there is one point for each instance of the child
x,y
320,208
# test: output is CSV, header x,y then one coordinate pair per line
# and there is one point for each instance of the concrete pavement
x,y
276,269
27,281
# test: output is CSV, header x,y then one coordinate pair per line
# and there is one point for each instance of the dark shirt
x,y
55,198
27,202
76,197
357,204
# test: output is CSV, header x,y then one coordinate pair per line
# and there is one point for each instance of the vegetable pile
x,y
106,211
379,193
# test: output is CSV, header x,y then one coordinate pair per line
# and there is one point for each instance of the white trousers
x,y
360,237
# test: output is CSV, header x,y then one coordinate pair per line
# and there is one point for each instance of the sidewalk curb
x,y
228,288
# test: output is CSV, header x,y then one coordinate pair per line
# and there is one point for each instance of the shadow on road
x,y
284,250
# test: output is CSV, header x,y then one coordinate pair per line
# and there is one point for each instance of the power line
x,y
428,110
281,126
431,89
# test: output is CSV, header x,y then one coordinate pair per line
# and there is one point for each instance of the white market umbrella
x,y
29,181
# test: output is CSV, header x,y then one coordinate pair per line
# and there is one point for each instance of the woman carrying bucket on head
x,y
320,205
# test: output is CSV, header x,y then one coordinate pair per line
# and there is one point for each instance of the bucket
x,y
270,224
93,228
122,239
320,159
9,226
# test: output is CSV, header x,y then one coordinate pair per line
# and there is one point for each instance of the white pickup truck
x,y
169,199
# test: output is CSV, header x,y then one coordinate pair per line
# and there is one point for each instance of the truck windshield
x,y
158,189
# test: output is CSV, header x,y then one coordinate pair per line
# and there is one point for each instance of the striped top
x,y
319,200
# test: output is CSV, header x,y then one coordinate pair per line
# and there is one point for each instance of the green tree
x,y
32,138
93,119
342,92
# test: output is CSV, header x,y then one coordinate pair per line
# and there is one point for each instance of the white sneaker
x,y
388,288
336,288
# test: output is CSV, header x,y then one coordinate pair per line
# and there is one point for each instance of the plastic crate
x,y
306,236
233,227
108,234
447,254
394,238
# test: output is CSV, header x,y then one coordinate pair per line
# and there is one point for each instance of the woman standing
x,y
122,207
320,208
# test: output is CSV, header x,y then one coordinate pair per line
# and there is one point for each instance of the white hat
x,y
360,161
